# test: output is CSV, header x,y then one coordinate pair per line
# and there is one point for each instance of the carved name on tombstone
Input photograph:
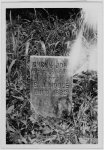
x,y
51,87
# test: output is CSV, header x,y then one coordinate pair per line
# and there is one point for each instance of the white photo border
x,y
51,4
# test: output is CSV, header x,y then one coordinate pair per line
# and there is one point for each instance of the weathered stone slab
x,y
51,85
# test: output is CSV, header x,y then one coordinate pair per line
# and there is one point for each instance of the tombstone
x,y
51,85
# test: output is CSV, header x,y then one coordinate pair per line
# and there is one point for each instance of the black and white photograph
x,y
52,88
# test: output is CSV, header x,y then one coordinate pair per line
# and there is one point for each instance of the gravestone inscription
x,y
51,87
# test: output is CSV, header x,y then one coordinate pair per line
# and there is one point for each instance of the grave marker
x,y
51,87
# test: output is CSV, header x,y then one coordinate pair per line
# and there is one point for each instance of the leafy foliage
x,y
23,126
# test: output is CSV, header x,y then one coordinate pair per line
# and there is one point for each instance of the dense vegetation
x,y
46,36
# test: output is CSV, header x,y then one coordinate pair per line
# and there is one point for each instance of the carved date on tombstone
x,y
51,87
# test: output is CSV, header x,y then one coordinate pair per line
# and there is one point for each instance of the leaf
x,y
43,47
14,43
46,130
68,44
10,67
20,98
35,14
24,122
56,44
23,140
10,109
32,119
8,127
27,48
95,104
83,140
10,15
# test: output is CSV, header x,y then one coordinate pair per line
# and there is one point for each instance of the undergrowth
x,y
52,37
